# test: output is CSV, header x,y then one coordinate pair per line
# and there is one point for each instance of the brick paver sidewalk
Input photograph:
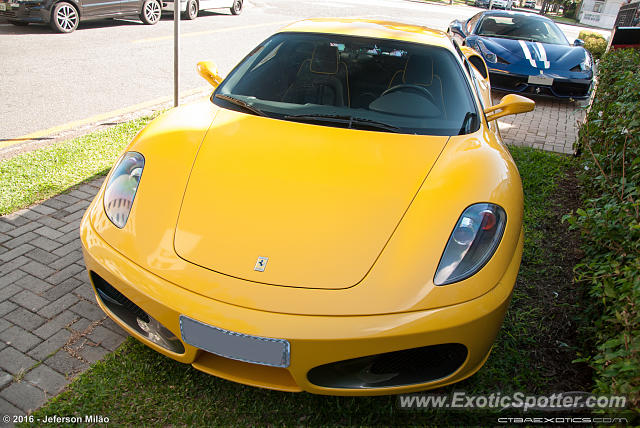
x,y
552,126
50,325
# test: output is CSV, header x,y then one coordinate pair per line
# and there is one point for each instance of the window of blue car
x,y
353,82
521,27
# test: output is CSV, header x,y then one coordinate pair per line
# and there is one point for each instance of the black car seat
x,y
488,26
527,30
419,70
322,79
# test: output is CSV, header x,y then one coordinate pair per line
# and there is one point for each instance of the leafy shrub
x,y
594,43
610,225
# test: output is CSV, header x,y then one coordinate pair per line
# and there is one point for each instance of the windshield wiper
x,y
245,105
348,120
508,36
527,39
466,123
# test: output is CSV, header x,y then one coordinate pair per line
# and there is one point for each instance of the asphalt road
x,y
49,79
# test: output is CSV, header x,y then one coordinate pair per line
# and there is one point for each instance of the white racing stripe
x,y
527,54
543,54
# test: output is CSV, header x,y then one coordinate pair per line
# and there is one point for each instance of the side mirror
x,y
456,28
209,71
509,104
578,42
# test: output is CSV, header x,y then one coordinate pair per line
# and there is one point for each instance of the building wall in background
x,y
600,13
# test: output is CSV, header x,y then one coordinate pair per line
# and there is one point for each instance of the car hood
x,y
320,203
535,54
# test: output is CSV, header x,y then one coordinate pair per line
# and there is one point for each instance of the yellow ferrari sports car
x,y
340,217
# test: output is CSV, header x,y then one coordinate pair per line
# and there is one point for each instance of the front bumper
x,y
314,340
32,12
561,88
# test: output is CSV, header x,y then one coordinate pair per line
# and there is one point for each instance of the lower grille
x,y
399,368
569,89
110,296
133,316
512,83
560,88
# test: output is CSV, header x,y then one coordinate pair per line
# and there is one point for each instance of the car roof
x,y
373,28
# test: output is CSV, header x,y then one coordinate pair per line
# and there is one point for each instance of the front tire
x,y
192,10
151,12
237,7
64,18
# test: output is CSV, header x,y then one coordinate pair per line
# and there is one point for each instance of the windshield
x,y
353,82
522,27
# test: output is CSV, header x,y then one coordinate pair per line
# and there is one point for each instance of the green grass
x,y
563,20
30,177
136,385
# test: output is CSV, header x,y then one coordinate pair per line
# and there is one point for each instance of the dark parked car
x,y
527,53
65,15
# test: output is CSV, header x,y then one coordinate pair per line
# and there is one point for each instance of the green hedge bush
x,y
594,43
609,222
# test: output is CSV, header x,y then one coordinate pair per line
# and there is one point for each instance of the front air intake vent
x,y
134,317
110,297
399,368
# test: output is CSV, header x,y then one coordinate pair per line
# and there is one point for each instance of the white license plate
x,y
541,80
237,346
3,6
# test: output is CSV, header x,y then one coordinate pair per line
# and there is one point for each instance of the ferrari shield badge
x,y
261,264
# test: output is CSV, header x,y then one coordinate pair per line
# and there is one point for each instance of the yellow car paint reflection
x,y
350,224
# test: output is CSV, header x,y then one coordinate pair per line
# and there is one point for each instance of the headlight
x,y
121,188
488,55
586,64
472,243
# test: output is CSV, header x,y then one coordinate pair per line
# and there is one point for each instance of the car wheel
x,y
64,18
237,7
151,12
192,10
18,23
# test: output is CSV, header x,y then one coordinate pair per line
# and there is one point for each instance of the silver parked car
x,y
494,4
502,4
191,8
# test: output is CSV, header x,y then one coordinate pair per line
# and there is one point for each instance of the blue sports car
x,y
527,53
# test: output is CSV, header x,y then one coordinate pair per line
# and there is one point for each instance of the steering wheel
x,y
420,90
